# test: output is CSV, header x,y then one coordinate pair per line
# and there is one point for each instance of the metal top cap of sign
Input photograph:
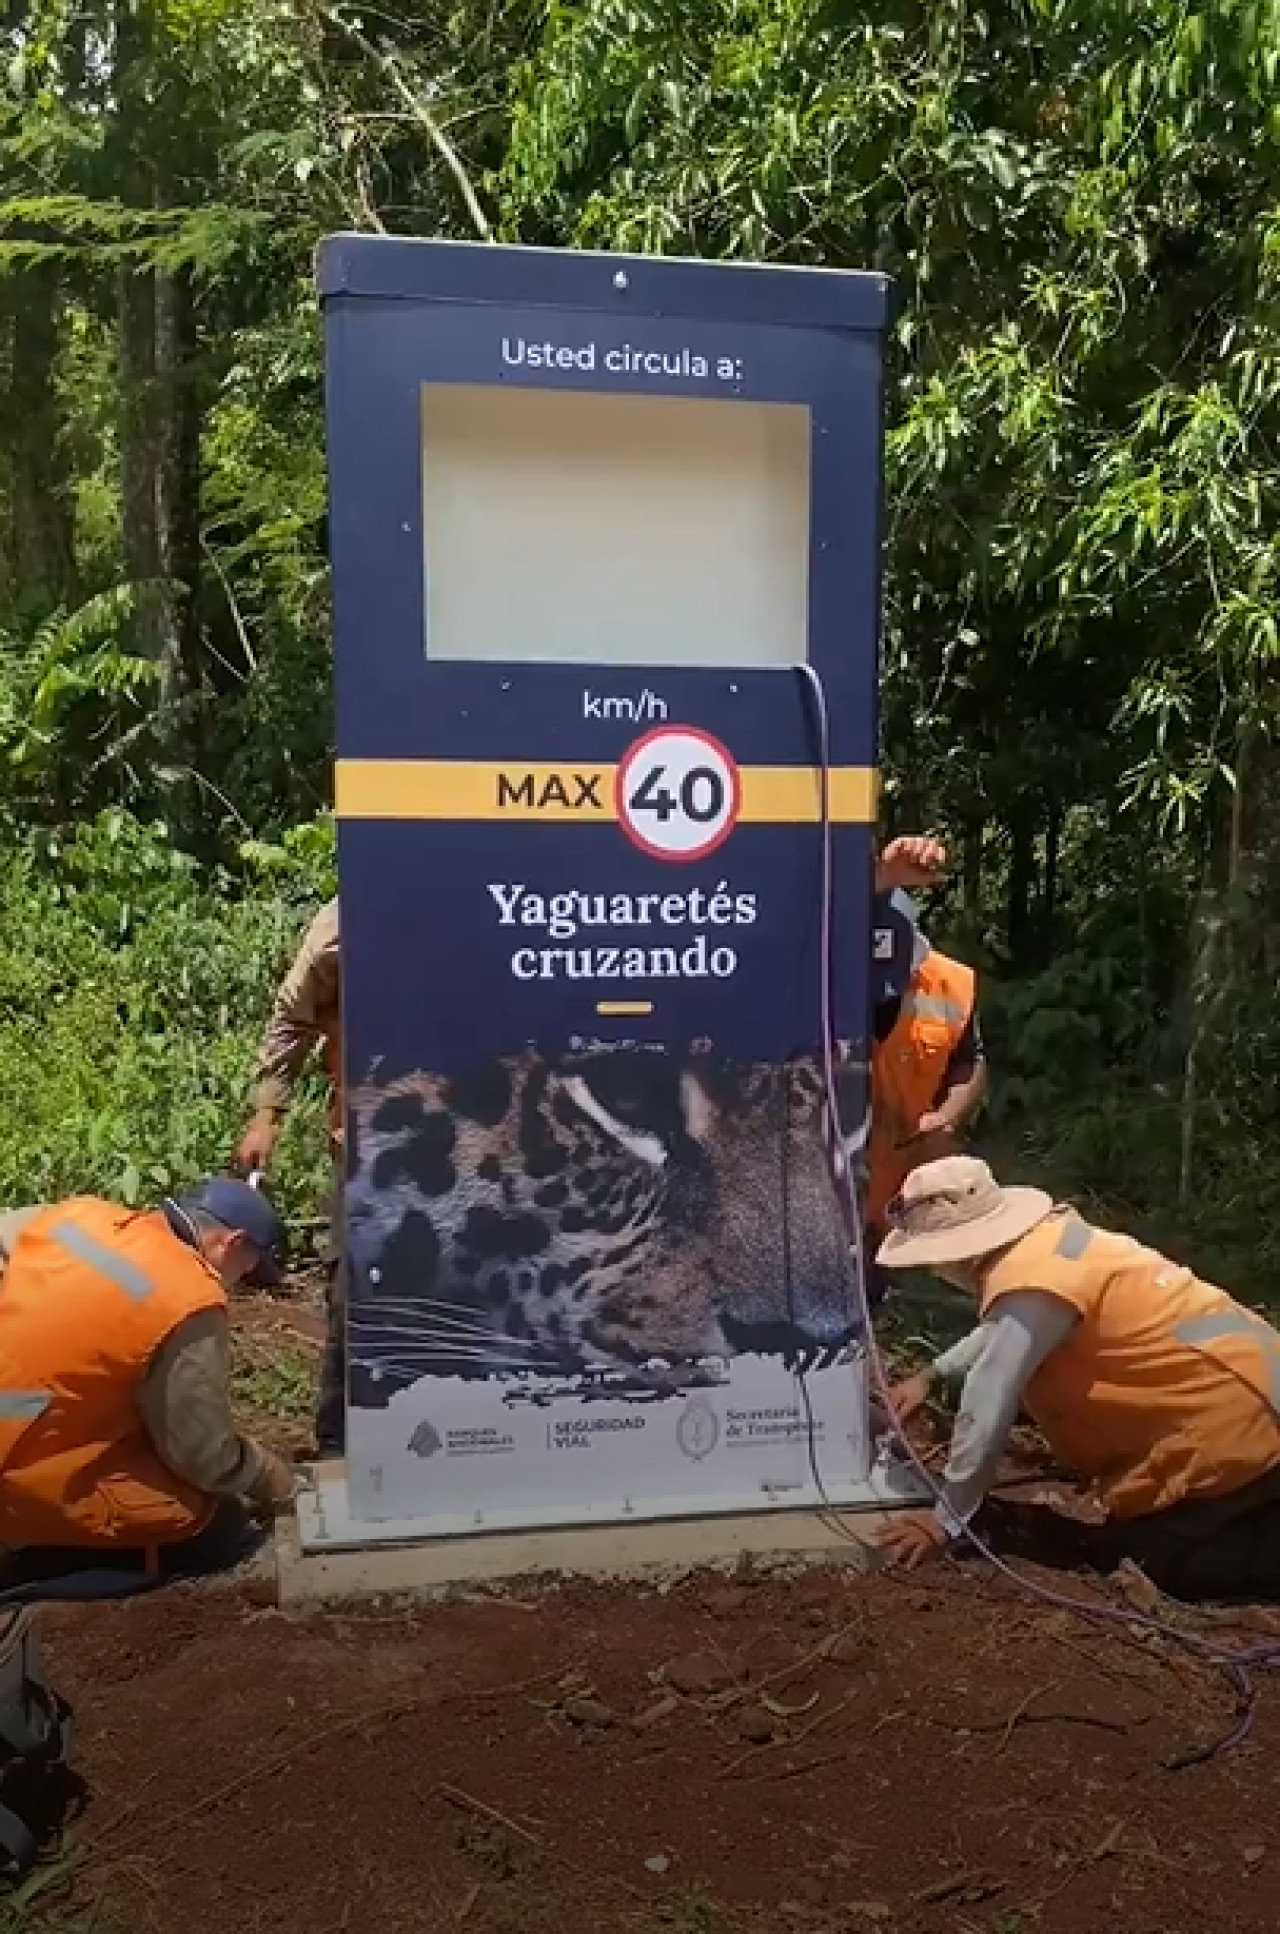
x,y
389,266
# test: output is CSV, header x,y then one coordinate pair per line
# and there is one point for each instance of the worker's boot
x,y
35,1744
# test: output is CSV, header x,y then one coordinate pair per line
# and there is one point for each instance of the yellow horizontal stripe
x,y
624,1007
773,795
470,789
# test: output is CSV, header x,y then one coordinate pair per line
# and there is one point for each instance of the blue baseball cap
x,y
237,1205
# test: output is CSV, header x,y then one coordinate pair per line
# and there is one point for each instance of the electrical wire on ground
x,y
1237,1663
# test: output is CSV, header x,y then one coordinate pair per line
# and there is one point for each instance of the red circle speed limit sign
x,y
677,793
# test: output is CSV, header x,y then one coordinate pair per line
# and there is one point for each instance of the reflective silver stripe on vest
x,y
126,1275
1199,1330
935,1007
1073,1239
22,1406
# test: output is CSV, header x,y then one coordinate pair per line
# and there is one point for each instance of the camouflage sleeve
x,y
295,1027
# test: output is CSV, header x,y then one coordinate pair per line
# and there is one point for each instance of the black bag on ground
x,y
35,1745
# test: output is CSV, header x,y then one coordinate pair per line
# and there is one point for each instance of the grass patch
x,y
39,1904
274,1380
274,1377
694,1916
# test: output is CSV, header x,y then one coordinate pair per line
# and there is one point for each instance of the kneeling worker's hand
x,y
277,1487
258,1142
909,1397
911,1539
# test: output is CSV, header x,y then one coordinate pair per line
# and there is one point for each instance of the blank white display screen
x,y
573,527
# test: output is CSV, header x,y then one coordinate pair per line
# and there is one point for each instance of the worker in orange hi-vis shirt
x,y
1160,1391
928,1065
116,1428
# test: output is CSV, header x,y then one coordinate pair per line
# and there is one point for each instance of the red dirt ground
x,y
944,1757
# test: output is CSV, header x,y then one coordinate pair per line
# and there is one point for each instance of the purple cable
x,y
1233,1662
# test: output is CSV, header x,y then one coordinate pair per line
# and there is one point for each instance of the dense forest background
x,y
1080,201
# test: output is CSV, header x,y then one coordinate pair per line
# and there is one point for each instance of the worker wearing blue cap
x,y
116,1426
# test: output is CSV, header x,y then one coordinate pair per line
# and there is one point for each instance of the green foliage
x,y
301,866
1079,203
132,996
1080,206
277,1383
166,171
1088,1101
75,703
37,1904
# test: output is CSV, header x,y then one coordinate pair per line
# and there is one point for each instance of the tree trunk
x,y
160,421
160,482
1022,876
42,531
1210,980
971,867
1255,857
1211,977
1052,856
178,494
143,402
1266,857
140,456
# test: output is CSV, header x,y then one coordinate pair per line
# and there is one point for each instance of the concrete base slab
x,y
656,1549
328,1522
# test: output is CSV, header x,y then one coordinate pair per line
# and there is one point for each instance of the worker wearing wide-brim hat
x,y
1157,1389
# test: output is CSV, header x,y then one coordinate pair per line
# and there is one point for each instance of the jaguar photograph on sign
x,y
617,1250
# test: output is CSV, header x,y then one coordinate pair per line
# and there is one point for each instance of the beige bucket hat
x,y
954,1211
